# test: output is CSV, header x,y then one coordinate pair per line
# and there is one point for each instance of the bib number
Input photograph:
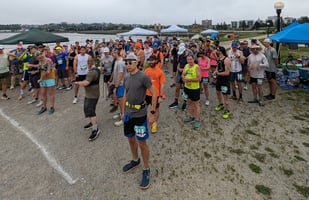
x,y
83,67
60,61
140,131
224,89
259,81
205,80
239,77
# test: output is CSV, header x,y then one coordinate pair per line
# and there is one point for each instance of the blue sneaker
x,y
145,180
131,165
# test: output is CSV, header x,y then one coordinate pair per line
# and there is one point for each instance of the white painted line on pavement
x,y
51,160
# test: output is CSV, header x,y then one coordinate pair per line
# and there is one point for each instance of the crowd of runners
x,y
134,77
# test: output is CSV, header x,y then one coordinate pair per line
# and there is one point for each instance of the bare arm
x,y
227,64
75,64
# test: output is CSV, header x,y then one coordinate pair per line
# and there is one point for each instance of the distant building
x,y
289,20
157,27
207,23
272,18
242,24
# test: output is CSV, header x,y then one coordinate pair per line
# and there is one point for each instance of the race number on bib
x,y
140,131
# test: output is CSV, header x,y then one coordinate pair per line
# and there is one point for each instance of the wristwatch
x,y
153,112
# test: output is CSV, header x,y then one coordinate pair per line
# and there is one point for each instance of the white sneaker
x,y
117,116
32,101
207,102
245,87
39,103
74,100
118,123
12,87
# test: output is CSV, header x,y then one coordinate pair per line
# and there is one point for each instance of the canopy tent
x,y
174,29
209,32
290,26
297,34
34,37
196,37
214,36
138,32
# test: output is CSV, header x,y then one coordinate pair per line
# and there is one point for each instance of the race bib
x,y
83,67
60,61
140,131
239,77
224,89
259,81
205,80
184,95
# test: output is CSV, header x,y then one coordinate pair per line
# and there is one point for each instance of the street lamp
x,y
268,24
278,7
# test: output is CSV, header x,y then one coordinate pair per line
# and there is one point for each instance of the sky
x,y
165,12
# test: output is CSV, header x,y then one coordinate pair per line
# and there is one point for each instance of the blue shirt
x,y
61,60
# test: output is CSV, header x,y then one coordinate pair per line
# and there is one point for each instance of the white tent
x,y
209,31
138,32
174,29
196,36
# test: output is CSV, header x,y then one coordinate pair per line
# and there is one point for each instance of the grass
x,y
263,189
260,157
255,168
300,158
302,190
304,131
287,172
306,144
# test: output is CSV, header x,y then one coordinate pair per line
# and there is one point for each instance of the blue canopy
x,y
296,34
290,26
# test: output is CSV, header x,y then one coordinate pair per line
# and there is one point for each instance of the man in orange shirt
x,y
159,55
157,78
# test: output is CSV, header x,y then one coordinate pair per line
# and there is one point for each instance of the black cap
x,y
152,58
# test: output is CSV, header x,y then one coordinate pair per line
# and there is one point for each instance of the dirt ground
x,y
259,153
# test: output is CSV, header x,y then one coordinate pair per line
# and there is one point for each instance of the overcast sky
x,y
165,12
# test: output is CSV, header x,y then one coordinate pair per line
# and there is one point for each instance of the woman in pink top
x,y
204,64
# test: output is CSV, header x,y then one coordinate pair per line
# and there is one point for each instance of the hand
x,y
40,80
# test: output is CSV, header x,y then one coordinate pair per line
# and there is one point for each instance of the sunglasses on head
x,y
130,62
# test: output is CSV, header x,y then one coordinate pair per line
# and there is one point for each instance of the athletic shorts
x,y
81,77
175,64
258,81
244,69
25,76
4,75
16,68
34,80
270,75
179,78
48,83
106,78
148,100
205,80
120,91
137,127
223,86
193,95
236,76
62,73
90,107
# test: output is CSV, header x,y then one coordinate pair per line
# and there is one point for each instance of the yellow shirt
x,y
190,72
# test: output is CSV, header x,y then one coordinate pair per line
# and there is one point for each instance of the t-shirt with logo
x,y
61,60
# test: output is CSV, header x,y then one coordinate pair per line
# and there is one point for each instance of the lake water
x,y
72,38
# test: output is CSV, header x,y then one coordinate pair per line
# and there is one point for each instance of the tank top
x,y
4,64
235,63
82,64
221,68
213,60
190,72
203,64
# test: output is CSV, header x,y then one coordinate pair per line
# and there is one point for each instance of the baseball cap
x,y
58,48
267,40
152,58
106,50
130,57
181,50
138,45
234,44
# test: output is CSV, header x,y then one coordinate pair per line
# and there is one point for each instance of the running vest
x,y
97,81
190,72
221,68
82,64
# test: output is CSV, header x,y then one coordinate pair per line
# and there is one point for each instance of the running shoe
x,y
245,87
118,123
240,101
33,101
39,103
5,97
233,97
12,87
145,184
113,109
219,107
189,120
184,106
253,101
197,125
70,87
226,115
62,87
117,116
207,102
88,126
74,100
51,111
173,105
173,85
42,110
131,165
261,103
154,128
94,135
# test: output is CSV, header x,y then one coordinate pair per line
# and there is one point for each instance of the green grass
x,y
263,189
260,157
304,131
287,172
255,168
302,190
306,144
300,158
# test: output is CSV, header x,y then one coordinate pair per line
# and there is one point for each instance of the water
x,y
72,38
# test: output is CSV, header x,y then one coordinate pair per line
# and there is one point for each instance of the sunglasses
x,y
130,62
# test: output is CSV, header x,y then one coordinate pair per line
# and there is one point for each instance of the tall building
x,y
207,23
